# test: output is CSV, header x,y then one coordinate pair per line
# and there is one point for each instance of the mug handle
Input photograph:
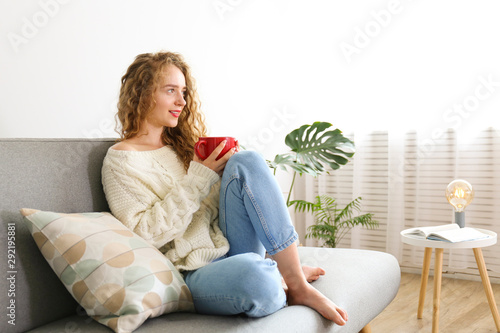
x,y
197,149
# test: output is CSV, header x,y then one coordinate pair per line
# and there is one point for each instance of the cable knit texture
x,y
177,212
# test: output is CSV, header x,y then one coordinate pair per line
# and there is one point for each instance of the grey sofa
x,y
63,175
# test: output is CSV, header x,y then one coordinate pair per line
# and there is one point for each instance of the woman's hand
x,y
216,165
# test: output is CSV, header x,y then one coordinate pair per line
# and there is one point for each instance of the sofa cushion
x,y
116,276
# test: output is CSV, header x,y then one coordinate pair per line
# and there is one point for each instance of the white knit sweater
x,y
177,212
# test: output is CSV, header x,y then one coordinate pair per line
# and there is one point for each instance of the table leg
x,y
438,267
478,254
423,281
366,329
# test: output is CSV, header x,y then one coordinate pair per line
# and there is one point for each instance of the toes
x,y
340,321
312,278
313,273
336,316
340,317
318,271
342,313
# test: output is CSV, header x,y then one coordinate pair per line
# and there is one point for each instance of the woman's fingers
x,y
218,165
211,161
228,155
223,160
217,150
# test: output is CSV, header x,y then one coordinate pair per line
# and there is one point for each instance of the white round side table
x,y
475,245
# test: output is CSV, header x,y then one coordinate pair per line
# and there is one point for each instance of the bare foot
x,y
299,289
312,273
309,296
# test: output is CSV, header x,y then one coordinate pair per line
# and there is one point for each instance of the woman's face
x,y
169,99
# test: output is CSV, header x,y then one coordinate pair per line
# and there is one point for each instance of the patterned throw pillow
x,y
116,276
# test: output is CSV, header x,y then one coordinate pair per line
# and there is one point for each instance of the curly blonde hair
x,y
142,79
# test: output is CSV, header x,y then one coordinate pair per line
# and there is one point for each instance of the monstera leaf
x,y
313,147
288,160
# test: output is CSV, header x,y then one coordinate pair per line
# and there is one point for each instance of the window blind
x,y
402,181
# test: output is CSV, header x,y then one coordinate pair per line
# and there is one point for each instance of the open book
x,y
451,233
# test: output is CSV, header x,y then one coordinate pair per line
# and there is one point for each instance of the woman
x,y
216,231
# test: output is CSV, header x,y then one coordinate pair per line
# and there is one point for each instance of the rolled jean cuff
x,y
283,246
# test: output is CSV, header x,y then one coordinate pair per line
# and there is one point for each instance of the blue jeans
x,y
254,218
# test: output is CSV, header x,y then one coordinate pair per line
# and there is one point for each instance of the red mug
x,y
206,145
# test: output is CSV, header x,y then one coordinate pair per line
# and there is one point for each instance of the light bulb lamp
x,y
459,194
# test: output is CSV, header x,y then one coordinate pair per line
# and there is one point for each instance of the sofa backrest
x,y
60,175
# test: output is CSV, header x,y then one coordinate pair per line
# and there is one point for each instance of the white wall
x,y
263,67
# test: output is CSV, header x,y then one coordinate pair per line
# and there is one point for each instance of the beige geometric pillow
x,y
116,276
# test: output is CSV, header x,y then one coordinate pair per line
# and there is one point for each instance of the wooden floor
x,y
464,308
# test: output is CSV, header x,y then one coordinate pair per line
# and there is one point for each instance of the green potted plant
x,y
332,223
313,147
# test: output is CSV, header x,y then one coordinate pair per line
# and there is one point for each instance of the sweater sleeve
x,y
158,219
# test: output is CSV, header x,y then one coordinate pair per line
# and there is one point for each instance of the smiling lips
x,y
175,113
